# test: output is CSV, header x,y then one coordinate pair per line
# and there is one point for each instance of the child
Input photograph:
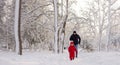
x,y
72,50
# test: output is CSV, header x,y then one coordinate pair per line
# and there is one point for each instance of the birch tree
x,y
56,26
17,27
62,28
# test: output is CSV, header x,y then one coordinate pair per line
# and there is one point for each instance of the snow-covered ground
x,y
48,58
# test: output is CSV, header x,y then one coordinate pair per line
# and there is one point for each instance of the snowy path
x,y
38,58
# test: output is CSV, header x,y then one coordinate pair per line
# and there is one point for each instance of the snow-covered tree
x,y
17,27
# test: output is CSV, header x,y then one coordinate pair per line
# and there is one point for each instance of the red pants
x,y
71,56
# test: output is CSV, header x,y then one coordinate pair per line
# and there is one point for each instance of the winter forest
x,y
46,25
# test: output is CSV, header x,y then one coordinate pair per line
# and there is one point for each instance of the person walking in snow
x,y
72,50
76,39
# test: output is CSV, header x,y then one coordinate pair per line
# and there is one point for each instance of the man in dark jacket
x,y
76,39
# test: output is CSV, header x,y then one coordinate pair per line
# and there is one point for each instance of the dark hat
x,y
74,31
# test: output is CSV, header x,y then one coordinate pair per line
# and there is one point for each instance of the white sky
x,y
82,5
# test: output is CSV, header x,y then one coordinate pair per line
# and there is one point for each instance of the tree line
x,y
47,25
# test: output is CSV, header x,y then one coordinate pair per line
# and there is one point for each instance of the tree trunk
x,y
17,27
109,26
56,26
63,27
99,20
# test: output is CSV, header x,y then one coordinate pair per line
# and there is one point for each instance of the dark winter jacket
x,y
76,38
